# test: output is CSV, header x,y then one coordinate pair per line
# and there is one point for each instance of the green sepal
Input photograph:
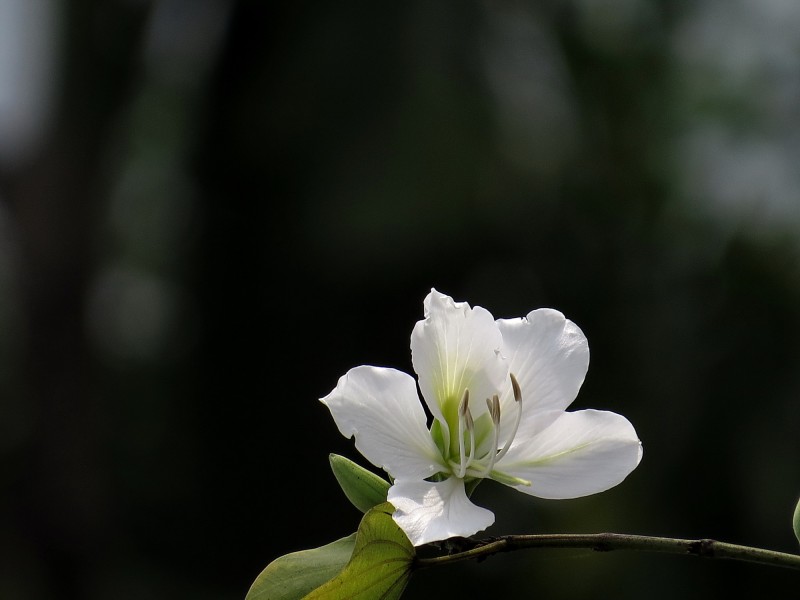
x,y
796,521
363,488
380,566
294,575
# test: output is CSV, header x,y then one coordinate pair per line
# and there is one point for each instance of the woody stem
x,y
606,542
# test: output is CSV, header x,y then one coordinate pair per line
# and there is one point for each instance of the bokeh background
x,y
211,209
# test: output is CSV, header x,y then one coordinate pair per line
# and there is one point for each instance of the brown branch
x,y
606,542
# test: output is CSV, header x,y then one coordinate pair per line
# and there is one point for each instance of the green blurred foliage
x,y
236,202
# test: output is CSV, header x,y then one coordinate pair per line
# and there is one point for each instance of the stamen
x,y
463,407
518,400
494,413
494,408
516,388
464,420
471,428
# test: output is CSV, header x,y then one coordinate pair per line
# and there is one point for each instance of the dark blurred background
x,y
211,209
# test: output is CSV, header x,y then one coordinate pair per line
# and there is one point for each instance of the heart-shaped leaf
x,y
294,575
381,563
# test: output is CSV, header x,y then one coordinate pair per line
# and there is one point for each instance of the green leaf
x,y
381,563
796,521
294,575
363,488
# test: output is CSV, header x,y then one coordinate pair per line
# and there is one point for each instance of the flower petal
x,y
453,349
429,512
581,453
381,408
549,356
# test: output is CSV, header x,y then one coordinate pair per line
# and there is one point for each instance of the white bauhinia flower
x,y
497,391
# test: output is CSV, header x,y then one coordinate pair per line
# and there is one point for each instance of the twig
x,y
606,542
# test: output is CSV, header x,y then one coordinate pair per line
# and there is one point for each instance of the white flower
x,y
497,391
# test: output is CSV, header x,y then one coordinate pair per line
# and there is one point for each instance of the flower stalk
x,y
607,542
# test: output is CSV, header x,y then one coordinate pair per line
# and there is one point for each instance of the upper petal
x,y
549,356
580,453
381,408
429,512
453,349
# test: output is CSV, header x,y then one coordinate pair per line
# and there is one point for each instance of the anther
x,y
516,388
471,428
518,398
465,421
463,406
494,412
494,409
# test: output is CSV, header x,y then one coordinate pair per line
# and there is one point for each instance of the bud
x,y
363,488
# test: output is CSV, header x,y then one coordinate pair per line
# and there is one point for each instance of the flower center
x,y
477,458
